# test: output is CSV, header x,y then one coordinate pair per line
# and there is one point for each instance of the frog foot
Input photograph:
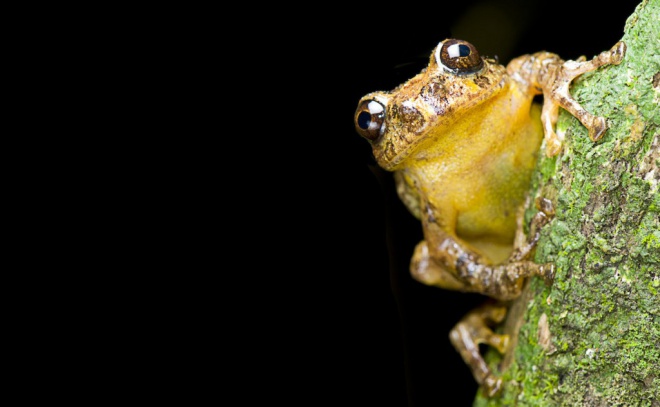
x,y
559,96
473,330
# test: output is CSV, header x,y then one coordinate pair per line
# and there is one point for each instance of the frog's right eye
x,y
369,118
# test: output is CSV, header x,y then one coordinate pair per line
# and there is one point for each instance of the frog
x,y
462,139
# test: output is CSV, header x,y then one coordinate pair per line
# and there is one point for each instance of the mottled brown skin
x,y
462,138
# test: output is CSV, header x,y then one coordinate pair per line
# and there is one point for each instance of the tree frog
x,y
462,138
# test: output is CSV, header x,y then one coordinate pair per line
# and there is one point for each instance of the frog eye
x,y
459,57
369,118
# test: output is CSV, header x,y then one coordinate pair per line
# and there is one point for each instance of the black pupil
x,y
364,120
464,50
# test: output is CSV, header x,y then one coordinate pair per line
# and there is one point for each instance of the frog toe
x,y
617,52
597,128
499,342
547,273
553,146
492,386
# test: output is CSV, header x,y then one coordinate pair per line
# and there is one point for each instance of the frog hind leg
x,y
559,96
473,330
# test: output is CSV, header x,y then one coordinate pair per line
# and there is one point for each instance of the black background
x,y
364,333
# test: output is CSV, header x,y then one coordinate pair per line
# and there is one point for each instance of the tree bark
x,y
593,337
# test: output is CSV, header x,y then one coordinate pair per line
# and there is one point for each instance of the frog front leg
x,y
445,261
546,73
449,264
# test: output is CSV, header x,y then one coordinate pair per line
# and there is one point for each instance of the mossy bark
x,y
593,337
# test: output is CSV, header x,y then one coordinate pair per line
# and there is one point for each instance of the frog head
x,y
456,80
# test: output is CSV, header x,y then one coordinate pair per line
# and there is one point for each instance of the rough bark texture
x,y
593,338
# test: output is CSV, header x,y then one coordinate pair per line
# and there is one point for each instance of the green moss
x,y
603,309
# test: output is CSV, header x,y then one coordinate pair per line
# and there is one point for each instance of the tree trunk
x,y
593,337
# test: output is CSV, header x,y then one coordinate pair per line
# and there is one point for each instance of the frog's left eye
x,y
369,118
459,57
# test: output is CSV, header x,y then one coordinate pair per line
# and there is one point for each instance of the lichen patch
x,y
648,167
